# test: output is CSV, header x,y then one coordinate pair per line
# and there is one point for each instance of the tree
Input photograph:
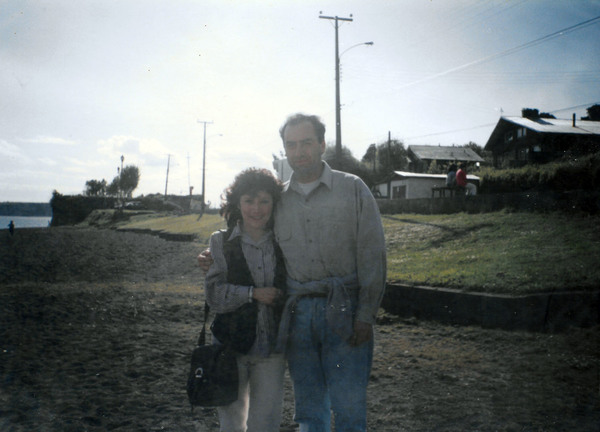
x,y
370,157
384,158
348,163
113,188
95,188
129,179
476,148
485,154
593,113
392,156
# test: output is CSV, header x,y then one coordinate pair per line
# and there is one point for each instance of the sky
x,y
84,83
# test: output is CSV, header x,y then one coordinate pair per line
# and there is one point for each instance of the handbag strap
x,y
202,337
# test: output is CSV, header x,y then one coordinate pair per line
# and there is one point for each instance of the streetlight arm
x,y
354,46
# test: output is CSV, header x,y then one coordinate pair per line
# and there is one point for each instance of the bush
x,y
73,209
577,174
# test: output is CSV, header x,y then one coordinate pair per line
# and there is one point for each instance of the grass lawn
x,y
186,224
501,252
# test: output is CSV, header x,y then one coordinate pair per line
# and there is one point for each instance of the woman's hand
x,y
205,260
266,295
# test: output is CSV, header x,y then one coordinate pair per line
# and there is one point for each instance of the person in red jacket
x,y
461,181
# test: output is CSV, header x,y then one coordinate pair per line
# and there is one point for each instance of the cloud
x,y
49,140
12,152
47,161
136,151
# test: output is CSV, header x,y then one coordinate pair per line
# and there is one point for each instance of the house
x,y
408,185
421,156
517,141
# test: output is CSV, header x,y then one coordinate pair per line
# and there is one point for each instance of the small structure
x,y
421,156
283,169
517,141
409,185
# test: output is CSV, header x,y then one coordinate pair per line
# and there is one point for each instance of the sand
x,y
97,326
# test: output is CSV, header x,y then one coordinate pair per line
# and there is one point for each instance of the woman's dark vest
x,y
238,328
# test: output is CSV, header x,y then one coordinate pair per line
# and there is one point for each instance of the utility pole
x,y
338,120
167,181
189,182
204,163
121,182
389,146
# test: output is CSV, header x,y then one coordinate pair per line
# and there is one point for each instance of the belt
x,y
313,295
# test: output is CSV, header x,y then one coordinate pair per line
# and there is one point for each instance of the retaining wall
x,y
573,201
535,312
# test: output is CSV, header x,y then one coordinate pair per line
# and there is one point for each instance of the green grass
x,y
186,224
512,253
501,252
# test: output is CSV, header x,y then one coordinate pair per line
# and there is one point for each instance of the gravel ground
x,y
96,328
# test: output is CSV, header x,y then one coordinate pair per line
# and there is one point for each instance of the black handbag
x,y
213,376
237,329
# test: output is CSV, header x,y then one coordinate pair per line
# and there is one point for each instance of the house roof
x,y
545,125
429,152
542,125
406,174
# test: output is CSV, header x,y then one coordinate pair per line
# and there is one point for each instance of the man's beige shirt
x,y
335,230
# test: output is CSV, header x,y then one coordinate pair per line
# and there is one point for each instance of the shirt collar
x,y
238,232
326,178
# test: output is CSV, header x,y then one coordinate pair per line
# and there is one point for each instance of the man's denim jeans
x,y
327,372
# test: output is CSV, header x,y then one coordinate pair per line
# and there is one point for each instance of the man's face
x,y
303,151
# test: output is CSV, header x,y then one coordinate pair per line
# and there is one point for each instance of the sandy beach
x,y
97,326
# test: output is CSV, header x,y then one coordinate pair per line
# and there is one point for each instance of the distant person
x,y
11,227
248,268
461,181
451,176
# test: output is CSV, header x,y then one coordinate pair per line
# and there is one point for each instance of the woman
x,y
248,268
451,176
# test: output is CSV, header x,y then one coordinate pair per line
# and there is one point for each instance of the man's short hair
x,y
298,118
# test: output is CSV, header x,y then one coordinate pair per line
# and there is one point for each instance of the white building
x,y
408,185
282,168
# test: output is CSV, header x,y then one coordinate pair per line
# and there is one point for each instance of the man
x,y
461,181
328,226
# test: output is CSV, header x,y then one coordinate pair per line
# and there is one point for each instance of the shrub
x,y
576,174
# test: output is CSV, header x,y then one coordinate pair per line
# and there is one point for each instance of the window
x,y
398,192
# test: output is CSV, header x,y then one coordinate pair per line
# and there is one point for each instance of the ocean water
x,y
25,221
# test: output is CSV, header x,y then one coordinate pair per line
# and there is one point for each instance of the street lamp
x,y
338,116
358,44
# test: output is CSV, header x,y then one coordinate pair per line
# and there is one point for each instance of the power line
x,y
451,131
574,107
492,124
508,51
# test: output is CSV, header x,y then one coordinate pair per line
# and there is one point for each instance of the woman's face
x,y
256,210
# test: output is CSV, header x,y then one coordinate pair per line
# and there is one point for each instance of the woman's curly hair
x,y
249,182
